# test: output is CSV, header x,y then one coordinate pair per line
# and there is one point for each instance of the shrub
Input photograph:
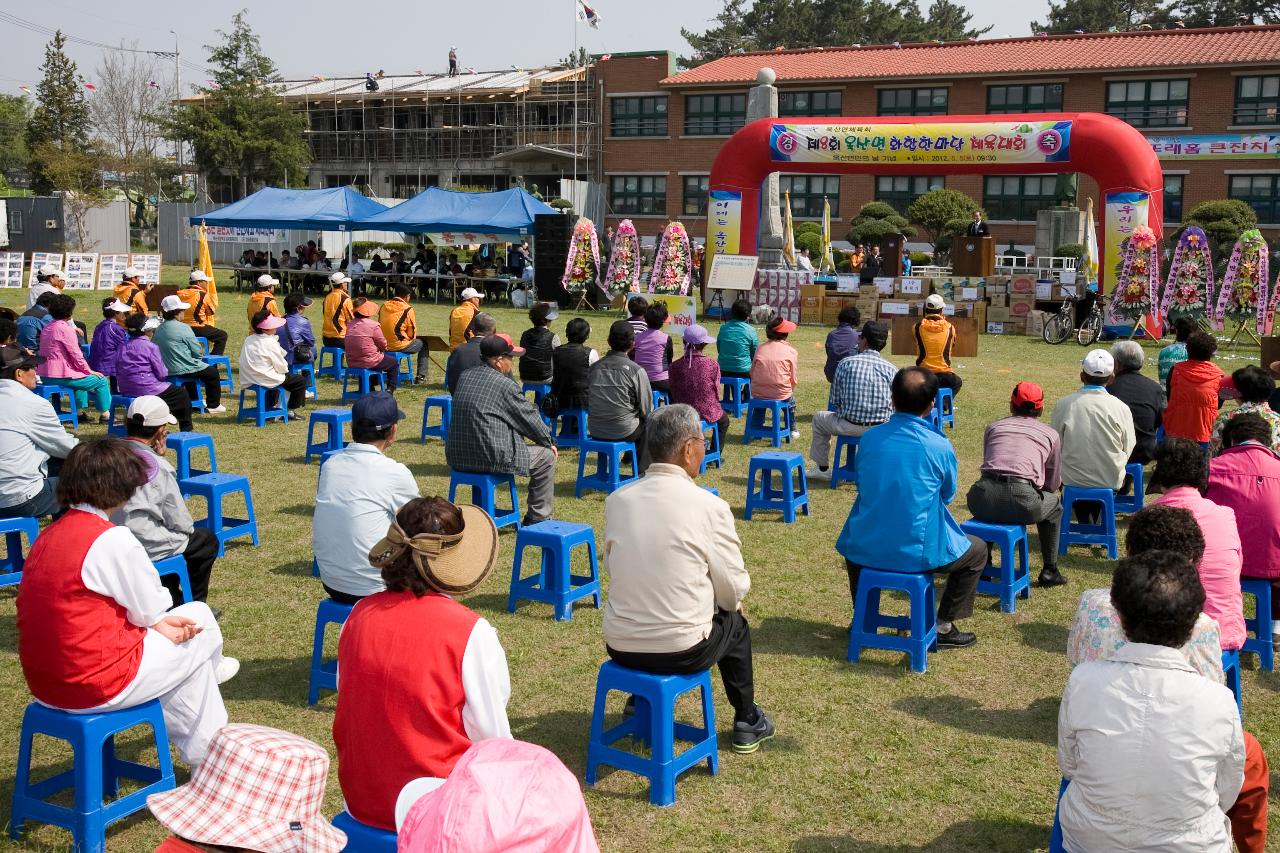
x,y
1070,250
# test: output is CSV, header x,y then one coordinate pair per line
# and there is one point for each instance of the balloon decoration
x,y
1188,292
624,260
672,262
582,264
1244,287
1138,279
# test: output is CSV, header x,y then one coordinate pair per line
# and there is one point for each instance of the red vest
x,y
77,647
1193,400
400,698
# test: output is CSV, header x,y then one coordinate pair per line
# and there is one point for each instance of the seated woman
x,y
570,362
654,350
64,362
775,368
422,676
141,371
366,346
262,362
695,379
1193,391
95,632
108,336
538,343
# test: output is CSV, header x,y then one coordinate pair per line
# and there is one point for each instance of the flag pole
x,y
574,58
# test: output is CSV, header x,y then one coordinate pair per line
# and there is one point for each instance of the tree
x,y
937,210
15,157
875,222
61,117
1223,221
78,174
1096,16
239,129
1227,12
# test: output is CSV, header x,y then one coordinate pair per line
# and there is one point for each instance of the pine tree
x,y
61,117
1097,16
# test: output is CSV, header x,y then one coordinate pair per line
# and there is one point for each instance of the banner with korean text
x,y
941,142
1124,211
724,224
1219,146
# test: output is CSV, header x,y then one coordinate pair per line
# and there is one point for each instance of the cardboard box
x,y
831,311
1022,284
998,314
1021,304
868,291
994,327
811,309
868,308
1063,291
894,308
885,285
911,287
969,294
808,291
1044,290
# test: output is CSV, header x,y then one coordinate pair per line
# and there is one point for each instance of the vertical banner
x,y
724,223
1124,212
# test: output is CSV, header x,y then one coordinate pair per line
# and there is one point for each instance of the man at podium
x,y
977,228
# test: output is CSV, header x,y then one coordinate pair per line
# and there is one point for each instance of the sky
x,y
331,38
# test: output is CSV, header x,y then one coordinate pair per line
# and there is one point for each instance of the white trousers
x,y
182,678
825,425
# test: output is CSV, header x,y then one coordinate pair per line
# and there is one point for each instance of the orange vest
x,y
133,295
260,299
201,312
399,326
459,321
935,336
337,314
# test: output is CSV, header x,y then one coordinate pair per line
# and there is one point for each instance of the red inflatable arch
x,y
1113,153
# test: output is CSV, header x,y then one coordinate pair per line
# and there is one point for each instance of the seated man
x,y
842,341
400,328
467,356
360,490
30,437
1097,433
619,397
906,471
491,421
675,600
32,321
338,311
460,318
1143,396
935,339
132,291
201,313
860,396
156,514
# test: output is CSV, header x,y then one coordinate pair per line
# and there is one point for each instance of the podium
x,y
891,251
973,256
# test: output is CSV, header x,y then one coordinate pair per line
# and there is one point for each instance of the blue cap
x,y
375,411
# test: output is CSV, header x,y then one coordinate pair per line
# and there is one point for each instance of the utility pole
x,y
177,93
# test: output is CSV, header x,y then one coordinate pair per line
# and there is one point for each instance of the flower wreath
x,y
1138,279
1188,292
624,261
672,262
1244,286
582,264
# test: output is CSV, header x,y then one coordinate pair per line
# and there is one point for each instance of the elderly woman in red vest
x,y
1193,391
95,632
420,676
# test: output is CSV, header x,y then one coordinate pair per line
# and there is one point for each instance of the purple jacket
x,y
1247,479
108,337
140,368
653,353
695,380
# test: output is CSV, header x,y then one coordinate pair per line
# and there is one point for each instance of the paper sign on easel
x,y
39,259
111,269
82,270
149,266
11,265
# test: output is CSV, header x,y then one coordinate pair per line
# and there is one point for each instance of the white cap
x,y
48,270
119,307
197,275
339,278
173,303
471,293
935,302
151,410
1099,364
131,272
267,281
151,325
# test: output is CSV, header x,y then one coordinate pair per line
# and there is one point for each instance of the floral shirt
x,y
695,379
1261,409
1169,356
1096,635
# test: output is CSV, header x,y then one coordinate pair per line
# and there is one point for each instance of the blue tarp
x,y
306,210
508,212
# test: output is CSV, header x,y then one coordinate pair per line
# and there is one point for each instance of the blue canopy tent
x,y
501,216
307,210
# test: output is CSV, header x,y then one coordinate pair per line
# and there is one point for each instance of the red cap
x,y
1027,392
783,327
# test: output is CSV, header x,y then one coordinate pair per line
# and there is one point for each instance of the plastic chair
x,y
332,420
95,773
734,394
1074,533
324,673
660,398
121,403
484,489
327,455
365,378
195,390
337,362
572,428
921,622
362,838
555,584
652,724
1258,629
713,449
184,445
787,496
176,565
310,371
1011,579
1231,670
221,361
1055,837
771,419
539,389
213,488
260,412
55,394
608,475
405,361
14,560
944,407
444,403
1133,501
846,450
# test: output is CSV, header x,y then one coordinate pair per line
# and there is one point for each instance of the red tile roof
x,y
1033,54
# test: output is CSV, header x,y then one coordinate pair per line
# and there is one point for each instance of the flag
x,y
1091,255
827,264
419,72
586,13
605,57
204,261
788,235
214,84
91,87
25,89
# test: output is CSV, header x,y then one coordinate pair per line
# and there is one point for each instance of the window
x,y
15,221
641,116
1257,100
1173,198
808,192
901,190
714,115
1149,103
1017,197
638,194
809,103
695,195
1261,192
913,102
1030,98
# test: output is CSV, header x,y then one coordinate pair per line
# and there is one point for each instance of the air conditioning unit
x,y
51,224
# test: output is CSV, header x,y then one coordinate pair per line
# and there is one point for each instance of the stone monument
x,y
762,102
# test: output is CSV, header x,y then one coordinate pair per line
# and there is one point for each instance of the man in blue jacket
x,y
906,476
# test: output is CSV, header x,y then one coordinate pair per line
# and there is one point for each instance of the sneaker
x,y
226,669
747,736
1050,578
420,380
813,472
216,410
956,639
795,433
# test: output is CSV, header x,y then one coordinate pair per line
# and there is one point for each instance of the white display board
x,y
82,270
149,266
39,259
732,272
111,269
11,264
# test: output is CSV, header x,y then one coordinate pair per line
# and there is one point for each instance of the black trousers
x,y
211,379
962,581
950,380
340,343
217,338
179,403
202,550
661,385
341,597
735,374
296,385
728,647
722,429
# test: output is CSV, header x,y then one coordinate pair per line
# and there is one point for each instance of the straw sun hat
x,y
453,564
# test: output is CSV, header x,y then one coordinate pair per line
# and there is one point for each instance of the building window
x,y
638,194
1257,100
695,194
640,116
714,115
1261,192
1149,103
913,102
900,190
1017,197
808,193
1173,198
1028,98
809,104
15,222
406,186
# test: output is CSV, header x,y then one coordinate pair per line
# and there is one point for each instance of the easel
x,y
1244,327
717,301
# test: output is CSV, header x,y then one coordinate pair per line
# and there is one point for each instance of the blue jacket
x,y
296,330
30,324
906,476
842,342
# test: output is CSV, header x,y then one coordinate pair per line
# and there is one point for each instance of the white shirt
x,y
355,269
360,490
38,288
804,262
262,361
1097,437
29,434
117,566
1154,752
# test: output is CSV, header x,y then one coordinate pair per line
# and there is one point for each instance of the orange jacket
x,y
260,299
201,312
399,324
459,322
133,295
935,336
338,312
1193,400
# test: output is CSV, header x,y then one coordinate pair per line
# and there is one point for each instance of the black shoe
x,y
748,736
217,614
1051,577
956,639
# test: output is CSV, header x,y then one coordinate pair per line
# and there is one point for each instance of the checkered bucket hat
x,y
258,788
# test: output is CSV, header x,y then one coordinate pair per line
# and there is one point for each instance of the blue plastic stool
x,y
176,565
712,489
660,398
194,388
444,403
260,411
1133,501
183,445
405,362
85,349
922,622
310,370
572,428
787,497
735,391
771,419
1012,578
713,449
95,774
332,420
842,471
213,488
327,455
484,490
365,378
944,407
11,565
221,361
1231,669
554,583
608,475
1074,533
653,723
539,389
55,394
337,362
1258,629
362,838
1055,837
324,673
116,426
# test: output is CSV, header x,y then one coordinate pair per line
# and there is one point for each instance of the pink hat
x,y
258,788
502,795
271,322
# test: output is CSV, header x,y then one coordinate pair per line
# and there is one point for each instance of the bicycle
x,y
1060,326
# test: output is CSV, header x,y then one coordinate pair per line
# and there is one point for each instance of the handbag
x,y
303,353
550,405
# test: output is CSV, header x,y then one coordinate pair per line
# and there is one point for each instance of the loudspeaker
x,y
551,234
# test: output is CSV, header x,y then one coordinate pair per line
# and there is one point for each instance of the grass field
x,y
868,757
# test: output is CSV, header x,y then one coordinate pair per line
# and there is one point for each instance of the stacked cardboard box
x,y
812,297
